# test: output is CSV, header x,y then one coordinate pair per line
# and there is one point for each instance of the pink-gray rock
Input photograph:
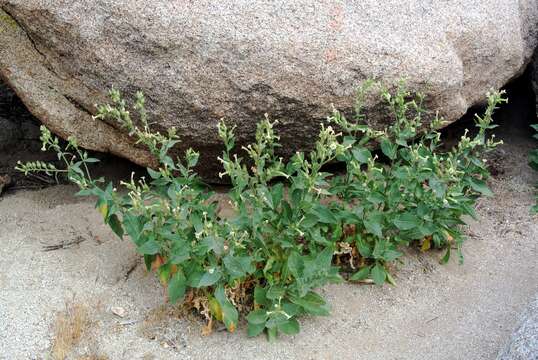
x,y
199,61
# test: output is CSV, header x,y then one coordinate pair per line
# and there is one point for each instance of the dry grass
x,y
68,330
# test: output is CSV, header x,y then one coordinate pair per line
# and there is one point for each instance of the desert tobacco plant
x,y
295,227
533,162
416,192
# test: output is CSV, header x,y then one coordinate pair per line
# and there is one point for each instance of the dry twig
x,y
64,244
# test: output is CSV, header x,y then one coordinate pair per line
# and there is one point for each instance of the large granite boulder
x,y
199,61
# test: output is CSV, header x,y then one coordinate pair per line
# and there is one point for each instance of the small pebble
x,y
118,311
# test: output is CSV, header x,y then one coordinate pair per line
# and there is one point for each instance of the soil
x,y
56,251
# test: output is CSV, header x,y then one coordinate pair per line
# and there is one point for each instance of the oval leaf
x,y
379,274
177,287
150,247
230,316
291,327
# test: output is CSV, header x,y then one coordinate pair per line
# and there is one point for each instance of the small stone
x,y
118,311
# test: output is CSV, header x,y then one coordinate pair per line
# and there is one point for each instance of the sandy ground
x,y
434,312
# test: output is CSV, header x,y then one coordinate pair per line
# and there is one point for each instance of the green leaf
x,y
272,334
177,287
277,192
391,255
275,320
214,307
291,309
296,196
196,220
312,303
257,317
230,316
148,260
324,258
260,296
238,266
480,186
115,225
325,215
87,192
379,249
362,155
133,226
154,174
379,274
469,210
295,264
214,243
204,279
102,207
376,198
388,148
309,221
180,252
373,226
291,327
390,279
406,221
438,188
275,292
107,195
364,248
268,199
255,329
446,257
150,247
361,274
163,273
193,159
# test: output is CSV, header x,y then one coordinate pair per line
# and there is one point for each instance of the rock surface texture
x,y
199,61
534,77
523,344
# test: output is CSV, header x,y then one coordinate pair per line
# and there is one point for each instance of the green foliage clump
x,y
295,227
533,162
